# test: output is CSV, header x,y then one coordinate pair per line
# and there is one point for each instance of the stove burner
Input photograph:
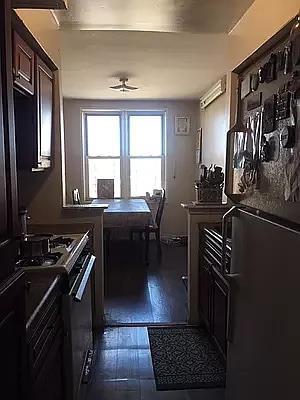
x,y
60,241
45,261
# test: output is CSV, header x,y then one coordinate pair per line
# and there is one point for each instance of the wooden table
x,y
122,213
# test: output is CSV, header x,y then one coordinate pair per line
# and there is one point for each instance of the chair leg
x,y
147,238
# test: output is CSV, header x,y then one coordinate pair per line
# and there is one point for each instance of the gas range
x,y
64,251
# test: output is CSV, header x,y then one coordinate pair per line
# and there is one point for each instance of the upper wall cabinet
x,y
46,4
23,64
33,100
44,117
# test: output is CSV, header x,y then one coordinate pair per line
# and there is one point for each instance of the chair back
x,y
105,189
76,196
160,208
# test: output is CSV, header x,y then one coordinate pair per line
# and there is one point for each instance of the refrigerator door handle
x,y
233,281
225,221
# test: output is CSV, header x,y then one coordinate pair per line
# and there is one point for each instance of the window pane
x,y
104,169
103,135
145,175
145,135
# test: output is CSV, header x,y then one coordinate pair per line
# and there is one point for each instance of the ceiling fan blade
x,y
118,87
130,87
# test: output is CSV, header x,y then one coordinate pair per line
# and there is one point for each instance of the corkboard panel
x,y
270,194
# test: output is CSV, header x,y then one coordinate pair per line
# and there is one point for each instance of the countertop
x,y
193,206
86,206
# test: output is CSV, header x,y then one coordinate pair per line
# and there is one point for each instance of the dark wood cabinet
x,y
3,191
40,4
34,100
49,381
44,114
219,314
8,173
45,344
206,283
23,64
214,292
12,337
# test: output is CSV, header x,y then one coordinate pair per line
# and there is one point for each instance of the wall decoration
x,y
254,102
287,136
280,61
182,125
270,69
246,86
254,81
283,105
199,139
199,146
269,114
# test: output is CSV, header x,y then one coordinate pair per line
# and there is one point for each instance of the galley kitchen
x,y
149,199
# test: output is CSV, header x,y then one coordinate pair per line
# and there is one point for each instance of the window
x,y
127,147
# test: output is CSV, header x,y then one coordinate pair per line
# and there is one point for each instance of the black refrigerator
x,y
263,183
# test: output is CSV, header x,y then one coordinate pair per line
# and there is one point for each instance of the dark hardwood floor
x,y
123,370
137,293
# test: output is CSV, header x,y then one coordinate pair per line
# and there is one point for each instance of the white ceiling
x,y
153,15
164,65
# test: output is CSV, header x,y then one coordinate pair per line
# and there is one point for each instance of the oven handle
x,y
80,291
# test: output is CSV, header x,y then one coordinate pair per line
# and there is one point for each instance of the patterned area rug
x,y
185,358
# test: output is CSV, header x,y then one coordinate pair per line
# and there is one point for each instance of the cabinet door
x,y
219,316
3,198
23,64
45,104
205,291
12,334
49,382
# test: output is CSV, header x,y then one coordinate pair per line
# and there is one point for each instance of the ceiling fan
x,y
123,87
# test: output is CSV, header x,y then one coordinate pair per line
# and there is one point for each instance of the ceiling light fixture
x,y
123,87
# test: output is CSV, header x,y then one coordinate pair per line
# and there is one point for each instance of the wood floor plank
x,y
148,392
136,293
123,370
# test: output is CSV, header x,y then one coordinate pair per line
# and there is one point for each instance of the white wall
x,y
263,20
214,124
180,152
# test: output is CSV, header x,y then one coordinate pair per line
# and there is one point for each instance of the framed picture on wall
x,y
199,146
182,125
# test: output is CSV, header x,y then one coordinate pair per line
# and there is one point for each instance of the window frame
x,y
124,115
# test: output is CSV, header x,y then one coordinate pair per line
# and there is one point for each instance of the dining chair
x,y
152,228
105,189
76,196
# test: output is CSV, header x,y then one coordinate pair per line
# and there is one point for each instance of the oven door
x,y
78,328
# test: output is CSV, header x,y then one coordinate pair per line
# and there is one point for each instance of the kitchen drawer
x,y
48,382
212,244
41,352
41,315
47,329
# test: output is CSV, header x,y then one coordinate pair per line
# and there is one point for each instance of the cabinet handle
x,y
16,74
225,218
